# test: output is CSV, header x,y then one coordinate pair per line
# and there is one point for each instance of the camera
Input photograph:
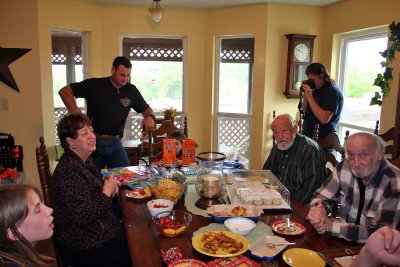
x,y
310,82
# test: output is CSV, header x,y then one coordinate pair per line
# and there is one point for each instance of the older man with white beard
x,y
366,186
296,160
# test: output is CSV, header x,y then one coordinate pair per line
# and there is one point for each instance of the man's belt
x,y
107,138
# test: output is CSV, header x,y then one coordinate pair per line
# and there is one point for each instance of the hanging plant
x,y
383,80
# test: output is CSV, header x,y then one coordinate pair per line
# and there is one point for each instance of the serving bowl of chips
x,y
171,188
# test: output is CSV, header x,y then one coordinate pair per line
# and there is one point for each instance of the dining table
x,y
145,241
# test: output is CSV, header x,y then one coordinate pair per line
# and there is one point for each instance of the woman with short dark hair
x,y
88,232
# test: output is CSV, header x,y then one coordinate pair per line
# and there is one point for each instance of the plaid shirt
x,y
381,205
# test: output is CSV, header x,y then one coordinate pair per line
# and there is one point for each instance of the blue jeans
x,y
110,154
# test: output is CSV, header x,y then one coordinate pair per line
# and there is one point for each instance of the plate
x,y
188,263
279,227
299,257
139,193
198,245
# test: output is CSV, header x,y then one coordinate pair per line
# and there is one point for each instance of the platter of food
x,y
235,261
139,193
258,187
221,212
280,227
188,263
220,243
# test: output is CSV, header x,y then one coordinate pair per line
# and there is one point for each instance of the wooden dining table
x,y
145,242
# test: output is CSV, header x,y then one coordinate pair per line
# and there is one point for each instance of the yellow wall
x,y
19,29
31,112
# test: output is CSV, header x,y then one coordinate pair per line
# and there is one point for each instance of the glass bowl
x,y
170,189
172,223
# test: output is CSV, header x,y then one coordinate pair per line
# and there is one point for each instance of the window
x,y
67,66
360,63
157,71
234,92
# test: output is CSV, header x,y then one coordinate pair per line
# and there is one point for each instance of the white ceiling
x,y
215,3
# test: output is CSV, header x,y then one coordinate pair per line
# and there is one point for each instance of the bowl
x,y
172,223
159,205
170,189
260,251
239,225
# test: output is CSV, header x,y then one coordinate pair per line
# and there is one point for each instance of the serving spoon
x,y
272,245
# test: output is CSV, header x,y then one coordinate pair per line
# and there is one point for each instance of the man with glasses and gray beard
x,y
296,160
367,187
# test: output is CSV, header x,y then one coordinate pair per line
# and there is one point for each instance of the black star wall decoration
x,y
8,56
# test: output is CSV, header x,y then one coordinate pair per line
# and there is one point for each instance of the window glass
x,y
234,88
363,64
360,63
233,97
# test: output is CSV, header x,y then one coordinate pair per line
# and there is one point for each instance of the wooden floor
x,y
45,247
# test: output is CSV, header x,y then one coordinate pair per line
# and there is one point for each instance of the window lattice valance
x,y
66,49
153,49
237,50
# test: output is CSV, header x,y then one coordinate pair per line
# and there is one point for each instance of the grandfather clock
x,y
300,52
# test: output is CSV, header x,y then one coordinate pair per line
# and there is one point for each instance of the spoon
x,y
272,245
289,225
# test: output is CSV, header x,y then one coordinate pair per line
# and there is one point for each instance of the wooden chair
x,y
391,138
155,144
43,165
330,144
273,136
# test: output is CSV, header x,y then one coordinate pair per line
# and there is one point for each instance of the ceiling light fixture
x,y
156,11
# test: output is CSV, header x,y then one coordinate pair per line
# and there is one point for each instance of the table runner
x,y
190,199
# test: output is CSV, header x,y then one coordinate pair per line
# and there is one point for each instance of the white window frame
x,y
345,39
216,108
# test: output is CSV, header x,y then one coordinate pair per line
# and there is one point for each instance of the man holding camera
x,y
322,101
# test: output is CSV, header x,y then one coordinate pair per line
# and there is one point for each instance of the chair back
x,y
43,165
273,136
155,144
329,144
391,138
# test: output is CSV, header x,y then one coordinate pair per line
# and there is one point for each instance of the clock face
x,y
302,52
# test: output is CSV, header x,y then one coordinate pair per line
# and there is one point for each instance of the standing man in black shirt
x,y
109,101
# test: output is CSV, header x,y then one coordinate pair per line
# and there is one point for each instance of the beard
x,y
285,144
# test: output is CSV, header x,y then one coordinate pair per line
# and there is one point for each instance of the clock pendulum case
x,y
300,52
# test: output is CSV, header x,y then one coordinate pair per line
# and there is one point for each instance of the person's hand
x,y
110,186
318,218
149,124
382,247
177,163
307,90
